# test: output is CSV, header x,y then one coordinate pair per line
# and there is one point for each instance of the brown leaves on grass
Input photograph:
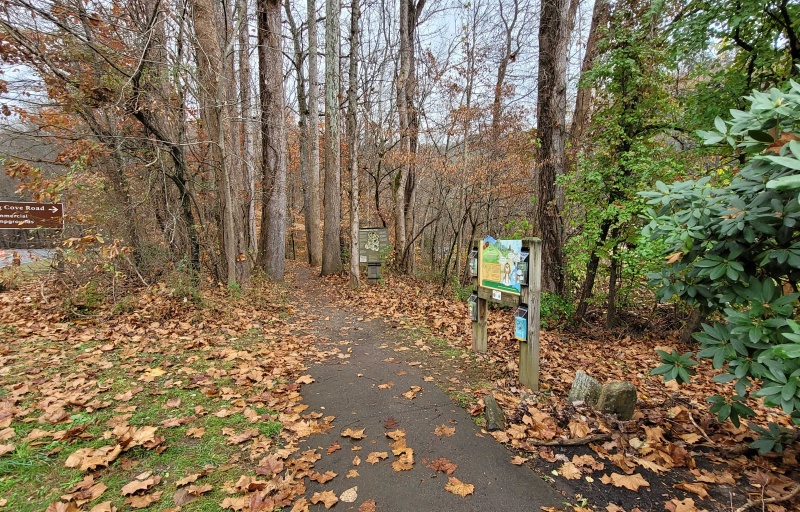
x,y
91,458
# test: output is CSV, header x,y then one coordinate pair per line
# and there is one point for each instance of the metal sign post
x,y
23,215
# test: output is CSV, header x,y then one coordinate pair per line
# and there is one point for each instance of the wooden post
x,y
532,295
480,334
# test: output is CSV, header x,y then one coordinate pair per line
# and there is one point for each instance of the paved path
x,y
348,389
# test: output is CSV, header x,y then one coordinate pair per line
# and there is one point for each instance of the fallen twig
x,y
575,441
705,436
777,499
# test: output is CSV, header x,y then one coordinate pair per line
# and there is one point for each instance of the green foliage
x,y
554,310
630,149
676,366
735,252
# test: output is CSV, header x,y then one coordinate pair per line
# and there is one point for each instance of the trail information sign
x,y
373,244
499,261
22,215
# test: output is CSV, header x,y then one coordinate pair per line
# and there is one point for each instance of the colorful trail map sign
x,y
498,260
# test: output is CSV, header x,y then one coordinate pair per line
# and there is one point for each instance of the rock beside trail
x,y
618,398
495,418
584,389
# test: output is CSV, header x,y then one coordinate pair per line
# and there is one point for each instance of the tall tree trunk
x,y
302,123
331,244
246,129
404,187
583,100
591,272
313,228
550,120
613,277
352,144
214,73
272,243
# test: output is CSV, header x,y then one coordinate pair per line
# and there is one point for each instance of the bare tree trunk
x,y
214,73
331,245
550,120
352,144
583,101
246,129
302,122
405,185
313,228
611,311
272,243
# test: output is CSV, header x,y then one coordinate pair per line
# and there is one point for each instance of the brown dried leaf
x,y
630,482
456,486
143,501
354,434
442,464
375,457
327,498
334,447
698,488
444,430
367,506
569,471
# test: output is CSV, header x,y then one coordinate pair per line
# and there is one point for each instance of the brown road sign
x,y
18,215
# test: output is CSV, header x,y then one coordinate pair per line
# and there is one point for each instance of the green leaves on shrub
x,y
734,251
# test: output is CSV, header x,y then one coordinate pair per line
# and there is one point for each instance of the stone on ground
x,y
584,389
495,418
618,398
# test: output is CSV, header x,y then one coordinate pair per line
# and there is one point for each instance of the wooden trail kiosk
x,y
502,268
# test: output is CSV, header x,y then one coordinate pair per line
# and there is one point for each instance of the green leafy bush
x,y
734,251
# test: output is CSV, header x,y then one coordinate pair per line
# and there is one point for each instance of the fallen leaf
x,y
404,462
137,485
334,447
375,457
367,506
396,434
386,385
698,488
630,482
518,461
456,486
144,500
352,474
356,460
444,430
305,379
354,434
322,477
350,495
442,464
569,471
197,432
676,505
327,498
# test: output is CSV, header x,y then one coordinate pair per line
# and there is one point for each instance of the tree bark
x,y
550,119
404,187
331,244
217,110
313,221
352,144
583,100
246,129
272,242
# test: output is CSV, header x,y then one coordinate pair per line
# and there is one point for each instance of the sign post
x,y
24,215
509,267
